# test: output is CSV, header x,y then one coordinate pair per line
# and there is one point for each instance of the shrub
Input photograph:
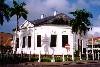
x,y
68,58
58,59
77,58
45,59
33,59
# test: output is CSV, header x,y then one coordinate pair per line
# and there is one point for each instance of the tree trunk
x,y
16,34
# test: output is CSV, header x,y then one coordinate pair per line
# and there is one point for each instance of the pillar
x,y
98,55
39,56
87,55
63,57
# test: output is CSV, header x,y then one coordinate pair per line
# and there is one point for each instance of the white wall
x,y
46,31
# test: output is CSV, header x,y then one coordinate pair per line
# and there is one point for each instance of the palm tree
x,y
19,11
4,11
80,23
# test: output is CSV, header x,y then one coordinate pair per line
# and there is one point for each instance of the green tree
x,y
4,11
80,23
18,10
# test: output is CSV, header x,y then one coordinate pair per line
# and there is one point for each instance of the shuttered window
x,y
29,41
38,40
64,40
53,41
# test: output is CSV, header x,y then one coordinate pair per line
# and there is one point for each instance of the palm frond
x,y
4,11
81,21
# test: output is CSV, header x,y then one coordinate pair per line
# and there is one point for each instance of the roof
x,y
5,39
61,19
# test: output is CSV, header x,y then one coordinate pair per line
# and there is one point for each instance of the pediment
x,y
26,24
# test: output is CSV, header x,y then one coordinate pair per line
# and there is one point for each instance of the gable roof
x,y
60,19
26,24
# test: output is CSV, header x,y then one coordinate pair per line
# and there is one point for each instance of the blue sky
x,y
47,7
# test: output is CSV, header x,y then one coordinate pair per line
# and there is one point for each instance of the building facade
x,y
49,35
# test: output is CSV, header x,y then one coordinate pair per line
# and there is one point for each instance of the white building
x,y
47,35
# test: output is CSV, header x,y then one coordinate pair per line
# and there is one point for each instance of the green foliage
x,y
58,59
68,58
81,21
34,59
4,11
45,59
5,49
19,10
76,58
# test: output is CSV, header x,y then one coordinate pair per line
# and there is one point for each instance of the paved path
x,y
51,64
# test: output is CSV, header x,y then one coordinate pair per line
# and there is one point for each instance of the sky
x,y
47,7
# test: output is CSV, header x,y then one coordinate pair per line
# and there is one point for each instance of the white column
x,y
73,56
73,53
98,55
80,55
82,46
93,55
39,56
92,49
86,55
63,57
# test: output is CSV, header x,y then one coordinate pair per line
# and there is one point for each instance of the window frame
x,y
53,42
23,45
29,41
39,41
66,42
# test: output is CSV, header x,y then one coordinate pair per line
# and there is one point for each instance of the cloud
x,y
95,2
38,7
95,31
97,21
47,7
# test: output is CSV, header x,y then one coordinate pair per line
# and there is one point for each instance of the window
x,y
53,41
29,41
17,42
38,40
78,44
64,40
81,45
23,46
